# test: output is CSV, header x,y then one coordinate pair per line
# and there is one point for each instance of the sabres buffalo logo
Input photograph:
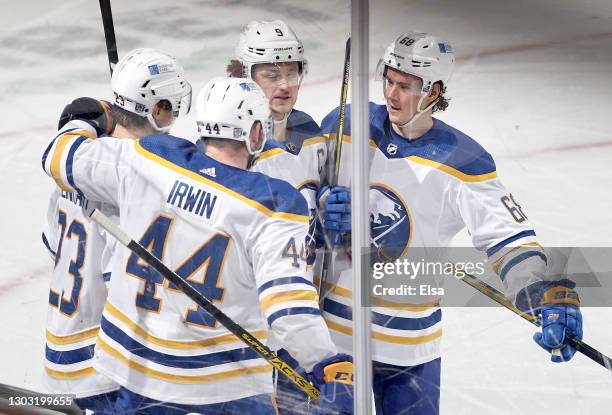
x,y
390,224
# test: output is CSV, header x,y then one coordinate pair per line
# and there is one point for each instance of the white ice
x,y
532,85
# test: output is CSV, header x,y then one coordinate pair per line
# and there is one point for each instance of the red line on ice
x,y
17,281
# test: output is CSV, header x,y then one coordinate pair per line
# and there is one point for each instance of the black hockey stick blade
x,y
109,34
497,296
236,329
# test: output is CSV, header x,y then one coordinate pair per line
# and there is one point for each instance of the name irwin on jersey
x,y
192,199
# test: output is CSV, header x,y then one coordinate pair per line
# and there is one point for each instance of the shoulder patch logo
x,y
392,149
210,171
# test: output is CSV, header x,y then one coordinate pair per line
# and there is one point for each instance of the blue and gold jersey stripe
x,y
185,378
452,171
288,296
171,360
378,302
71,375
113,311
403,340
72,338
383,320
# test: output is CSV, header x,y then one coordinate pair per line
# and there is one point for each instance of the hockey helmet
x,y
269,42
227,108
422,55
144,77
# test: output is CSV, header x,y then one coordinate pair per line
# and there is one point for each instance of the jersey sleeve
x,y
287,295
50,234
498,225
80,162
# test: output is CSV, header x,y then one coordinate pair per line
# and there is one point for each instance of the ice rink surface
x,y
532,84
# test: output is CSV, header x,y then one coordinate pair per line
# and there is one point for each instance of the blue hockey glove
x,y
561,319
559,308
93,111
336,203
334,378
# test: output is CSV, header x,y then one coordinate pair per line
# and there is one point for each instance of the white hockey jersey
x,y
76,297
300,160
422,193
232,233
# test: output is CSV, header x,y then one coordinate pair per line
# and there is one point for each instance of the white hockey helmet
x,y
263,41
227,108
144,77
420,54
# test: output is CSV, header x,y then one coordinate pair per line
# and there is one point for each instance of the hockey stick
x,y
500,298
250,340
109,34
333,180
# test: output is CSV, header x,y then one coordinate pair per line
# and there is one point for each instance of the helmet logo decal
x,y
159,69
445,48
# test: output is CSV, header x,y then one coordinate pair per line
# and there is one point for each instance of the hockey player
x,y
270,53
222,228
427,182
143,101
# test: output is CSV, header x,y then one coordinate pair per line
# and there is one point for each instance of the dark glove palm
x,y
93,111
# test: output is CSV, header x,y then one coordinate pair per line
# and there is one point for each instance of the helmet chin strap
x,y
419,112
153,123
282,120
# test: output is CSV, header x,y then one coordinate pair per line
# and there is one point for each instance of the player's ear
x,y
162,112
434,93
256,136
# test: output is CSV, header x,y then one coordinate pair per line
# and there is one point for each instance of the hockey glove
x,y
334,378
336,202
559,308
93,111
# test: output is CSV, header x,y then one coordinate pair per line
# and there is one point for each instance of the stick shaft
x,y
109,34
333,179
500,298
